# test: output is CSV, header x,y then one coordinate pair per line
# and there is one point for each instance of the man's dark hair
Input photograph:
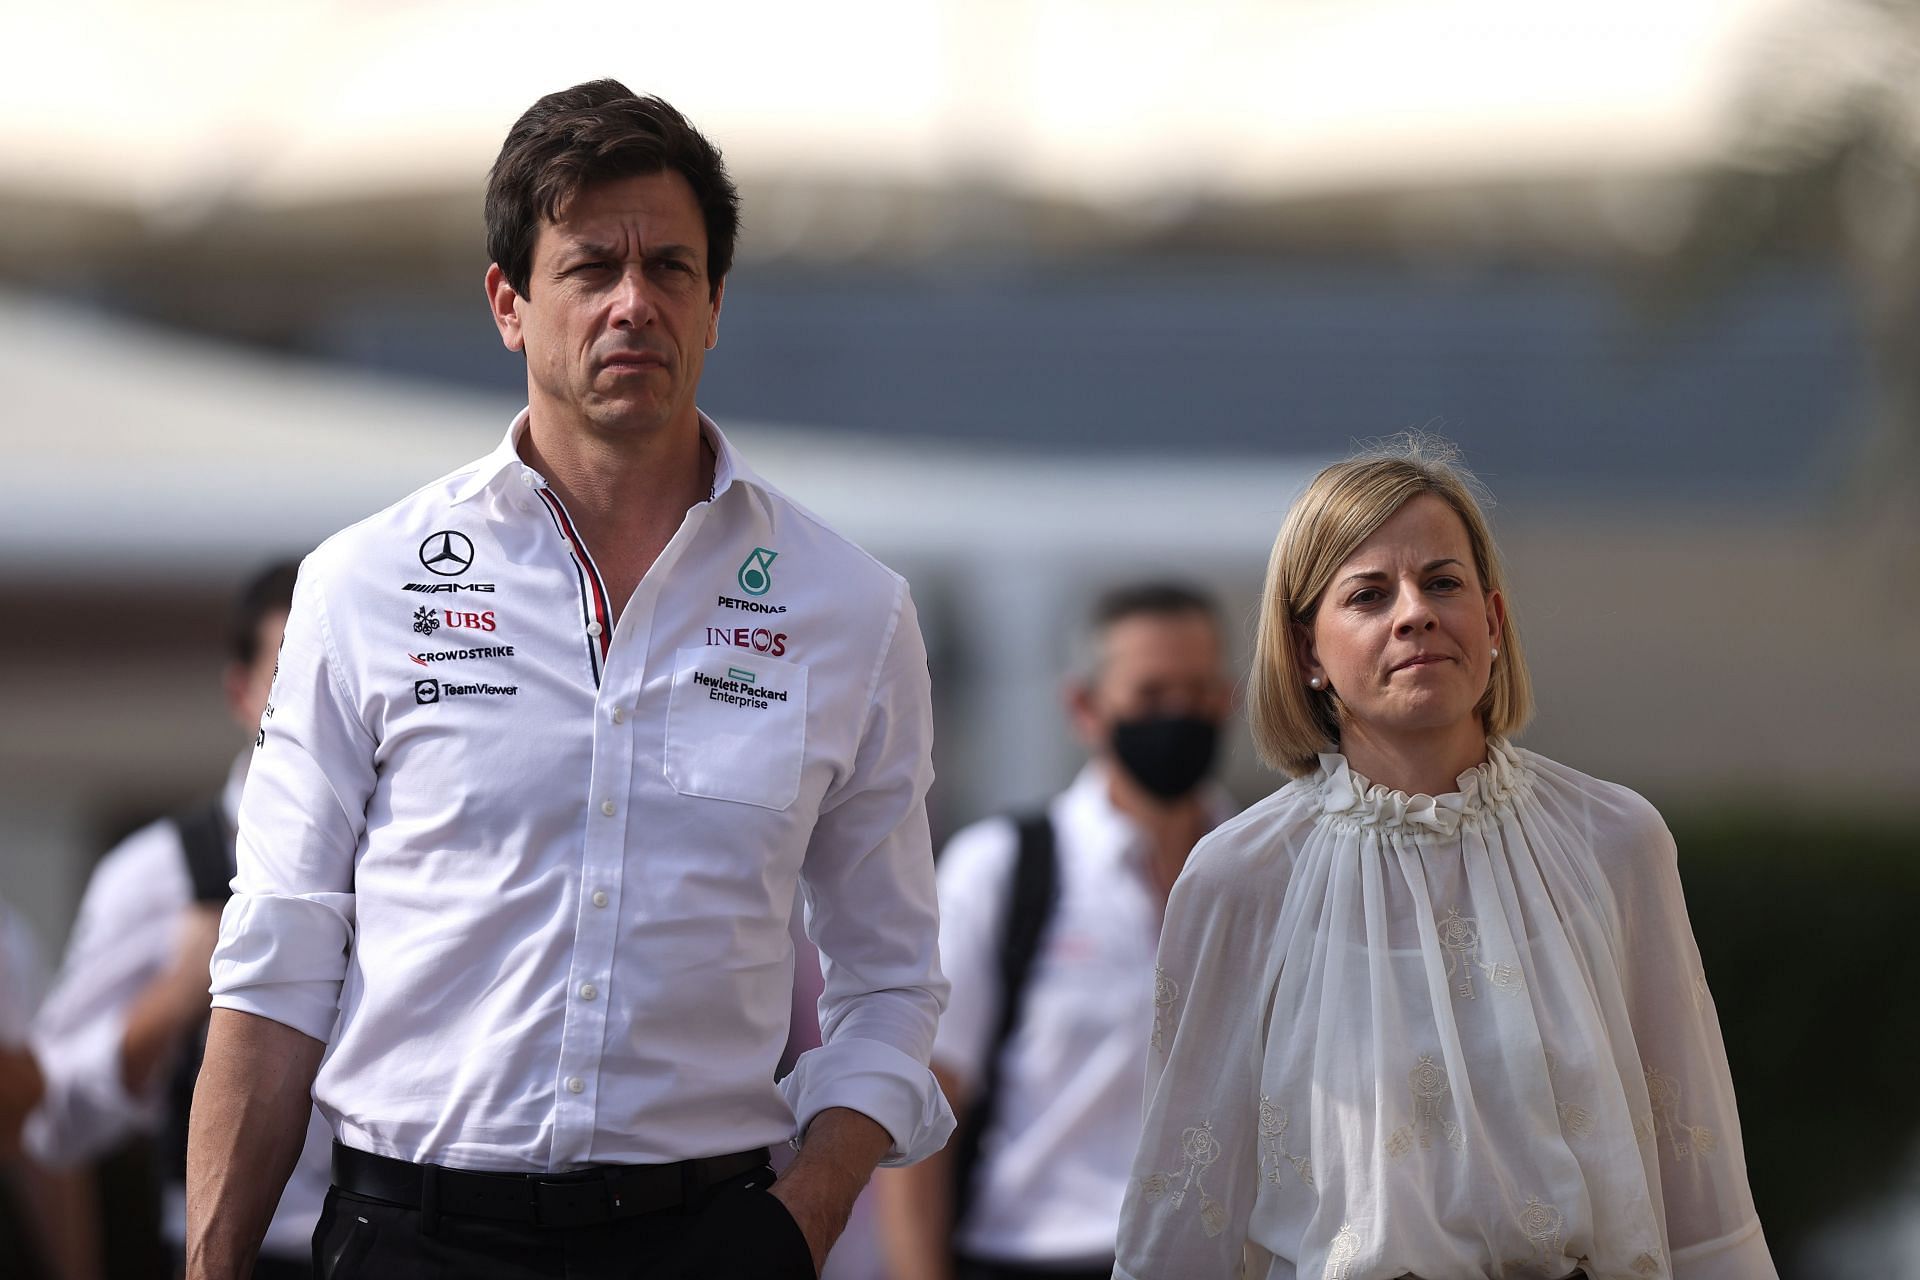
x,y
268,592
597,132
1158,599
1161,599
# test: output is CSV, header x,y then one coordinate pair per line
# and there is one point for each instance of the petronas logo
x,y
756,572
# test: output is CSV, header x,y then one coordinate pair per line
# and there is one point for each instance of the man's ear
x,y
713,322
504,301
1077,696
235,678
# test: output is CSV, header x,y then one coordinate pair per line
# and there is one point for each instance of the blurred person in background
x,y
118,1040
556,742
47,1224
1047,933
1433,1008
23,981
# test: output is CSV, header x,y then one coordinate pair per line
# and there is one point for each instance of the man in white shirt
x,y
1044,1057
554,743
23,981
116,1043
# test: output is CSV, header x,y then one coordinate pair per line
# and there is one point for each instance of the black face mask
x,y
1168,755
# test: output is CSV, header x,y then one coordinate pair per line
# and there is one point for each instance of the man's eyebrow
x,y
587,249
591,249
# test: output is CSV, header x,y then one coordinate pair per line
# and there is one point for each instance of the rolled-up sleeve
x,y
287,930
868,883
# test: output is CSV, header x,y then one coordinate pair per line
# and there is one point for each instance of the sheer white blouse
x,y
1451,1037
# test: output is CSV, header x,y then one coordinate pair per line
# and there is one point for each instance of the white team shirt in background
x,y
1053,1163
528,874
124,938
23,977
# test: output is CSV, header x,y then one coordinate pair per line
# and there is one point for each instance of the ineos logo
x,y
448,553
758,639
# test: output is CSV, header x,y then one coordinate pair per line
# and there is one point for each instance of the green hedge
x,y
1805,925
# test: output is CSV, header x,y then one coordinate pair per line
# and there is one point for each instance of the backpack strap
x,y
207,838
206,842
1033,890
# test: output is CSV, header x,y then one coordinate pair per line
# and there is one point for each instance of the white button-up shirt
x,y
529,873
1053,1165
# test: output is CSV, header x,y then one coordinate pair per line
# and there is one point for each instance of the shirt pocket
x,y
736,727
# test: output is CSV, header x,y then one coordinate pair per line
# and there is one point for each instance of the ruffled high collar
x,y
1348,797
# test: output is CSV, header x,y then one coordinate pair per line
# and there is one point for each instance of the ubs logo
x,y
448,553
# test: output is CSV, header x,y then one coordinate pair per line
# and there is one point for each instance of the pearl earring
x,y
1496,651
1316,682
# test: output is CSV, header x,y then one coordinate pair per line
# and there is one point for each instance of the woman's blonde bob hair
x,y
1293,724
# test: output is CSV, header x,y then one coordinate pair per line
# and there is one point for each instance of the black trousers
x,y
736,1230
975,1269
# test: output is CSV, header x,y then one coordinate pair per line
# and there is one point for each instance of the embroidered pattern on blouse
x,y
1460,936
1165,992
1575,1119
1428,1082
1198,1150
1341,1253
1701,996
1663,1092
1273,1128
1646,1265
1542,1224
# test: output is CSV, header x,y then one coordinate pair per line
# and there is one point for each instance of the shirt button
x,y
528,479
575,1084
599,897
606,807
588,991
593,628
619,716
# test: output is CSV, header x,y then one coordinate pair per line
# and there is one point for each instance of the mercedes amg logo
x,y
447,553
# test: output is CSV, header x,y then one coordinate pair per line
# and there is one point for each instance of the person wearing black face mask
x,y
1048,930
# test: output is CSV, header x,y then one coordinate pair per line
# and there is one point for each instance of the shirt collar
x,y
504,461
1087,810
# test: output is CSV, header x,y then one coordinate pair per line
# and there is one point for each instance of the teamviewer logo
x,y
425,691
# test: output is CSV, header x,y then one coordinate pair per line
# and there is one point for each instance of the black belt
x,y
578,1199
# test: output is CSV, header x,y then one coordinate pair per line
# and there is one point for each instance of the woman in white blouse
x,y
1434,1008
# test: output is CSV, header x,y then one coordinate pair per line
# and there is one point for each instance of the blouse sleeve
x,y
1712,1228
1197,1170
